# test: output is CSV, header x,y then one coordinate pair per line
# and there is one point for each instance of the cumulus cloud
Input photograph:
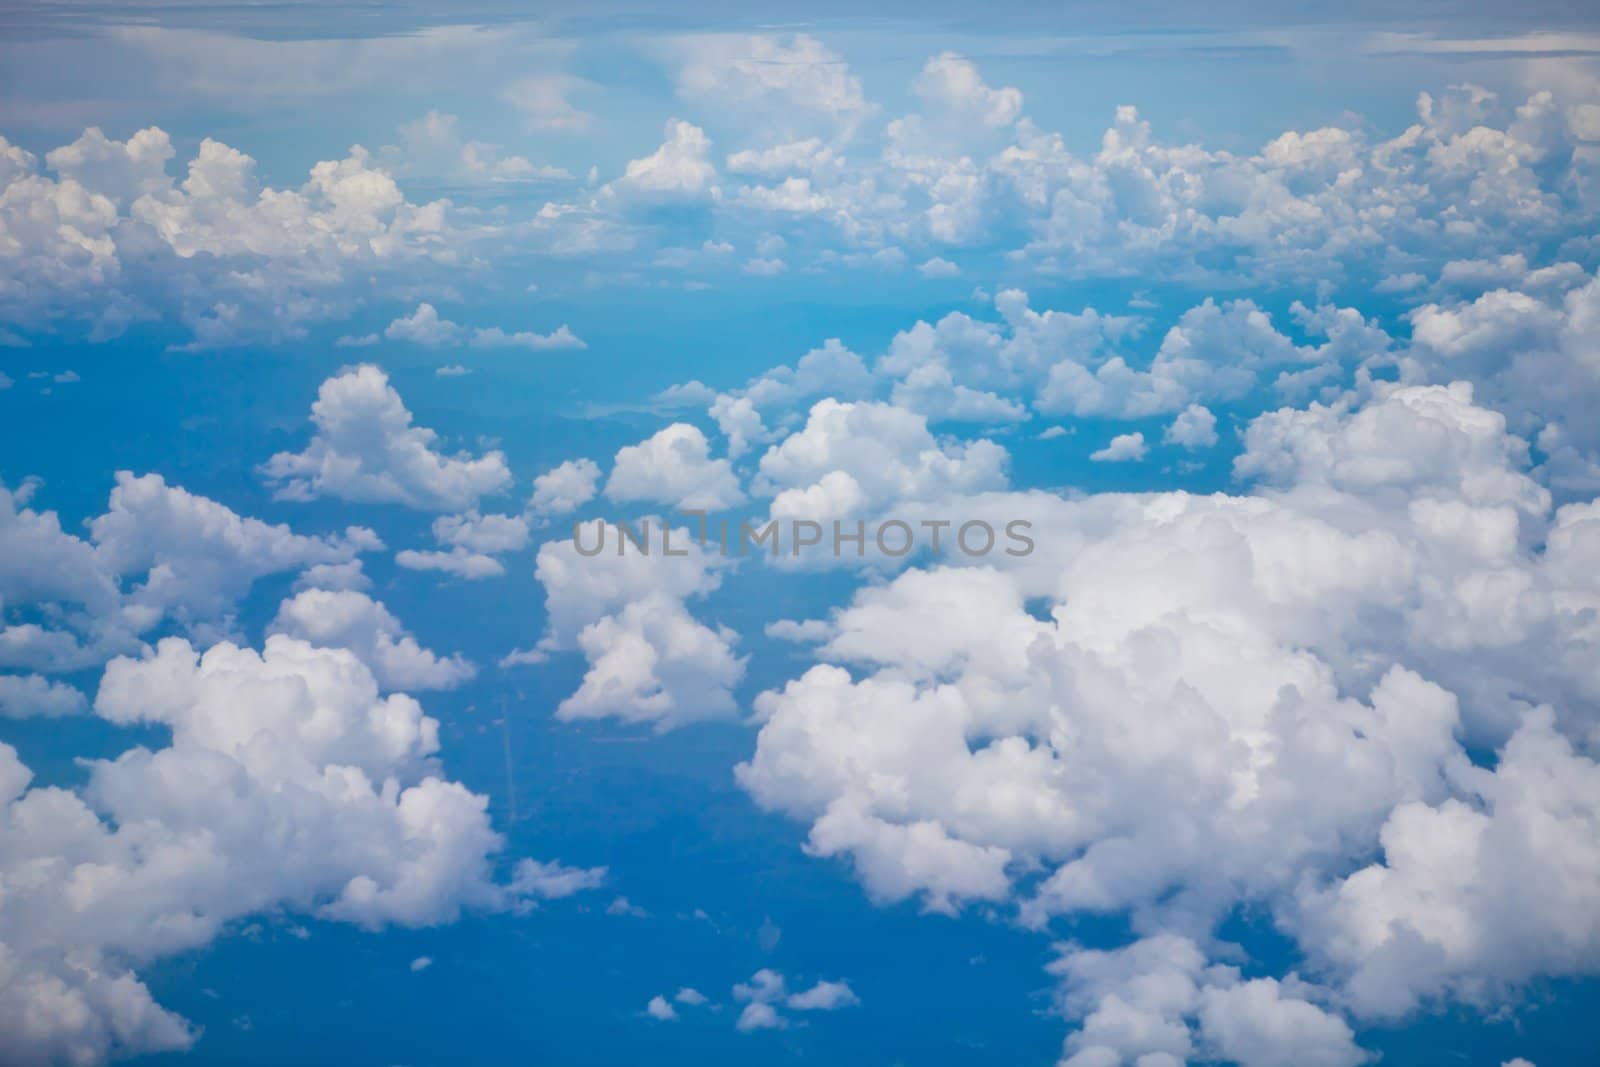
x,y
473,542
850,455
680,171
1532,356
424,326
288,782
1194,428
1446,198
32,696
650,661
1124,448
1230,699
352,620
767,991
158,553
115,240
365,448
1158,1002
674,466
824,996
564,489
198,557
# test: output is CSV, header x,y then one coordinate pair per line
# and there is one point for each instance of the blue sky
x,y
322,328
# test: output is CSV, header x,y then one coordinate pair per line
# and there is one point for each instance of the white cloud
x,y
564,489
660,1010
758,1015
953,83
824,996
473,542
758,995
796,157
1194,428
1124,448
433,147
288,783
1254,1024
366,449
1476,894
624,907
777,85
31,696
352,620
679,171
650,661
550,880
425,327
1157,1002
767,991
1317,655
653,663
457,562
482,533
197,556
674,466
114,240
886,452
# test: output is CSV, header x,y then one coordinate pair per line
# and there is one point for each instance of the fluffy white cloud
x,y
115,240
674,466
796,157
1231,700
42,564
650,661
424,326
1156,1002
473,542
851,456
1478,893
352,620
482,533
1531,356
289,782
953,83
365,448
1194,428
30,695
679,171
767,991
1124,448
190,560
197,556
824,996
564,489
